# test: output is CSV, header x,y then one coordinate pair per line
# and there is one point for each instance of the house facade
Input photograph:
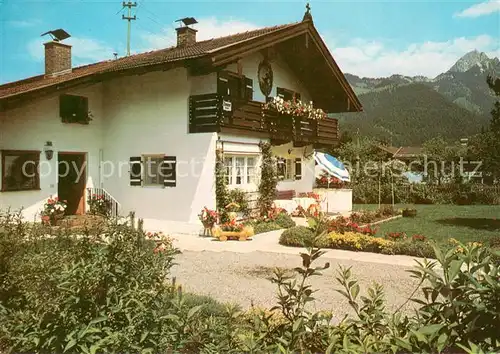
x,y
144,129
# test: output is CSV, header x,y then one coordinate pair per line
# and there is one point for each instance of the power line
x,y
129,18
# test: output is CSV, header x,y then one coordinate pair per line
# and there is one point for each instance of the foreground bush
x,y
109,294
296,236
265,226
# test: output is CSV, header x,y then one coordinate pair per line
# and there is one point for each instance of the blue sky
x,y
367,38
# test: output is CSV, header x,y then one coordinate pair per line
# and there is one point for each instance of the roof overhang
x,y
341,98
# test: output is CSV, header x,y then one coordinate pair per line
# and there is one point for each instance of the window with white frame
x,y
152,170
285,168
240,170
289,169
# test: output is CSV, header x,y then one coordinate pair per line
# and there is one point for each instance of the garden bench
x,y
286,195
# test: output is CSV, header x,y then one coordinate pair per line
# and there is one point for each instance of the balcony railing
x,y
213,113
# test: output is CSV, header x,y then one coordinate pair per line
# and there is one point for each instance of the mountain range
x,y
409,110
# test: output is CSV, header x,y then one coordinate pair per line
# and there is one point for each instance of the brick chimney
x,y
57,58
186,36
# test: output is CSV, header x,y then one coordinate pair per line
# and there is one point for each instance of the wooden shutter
x,y
169,171
135,171
248,89
298,169
223,83
280,92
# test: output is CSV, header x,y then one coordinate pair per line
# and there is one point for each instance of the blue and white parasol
x,y
332,166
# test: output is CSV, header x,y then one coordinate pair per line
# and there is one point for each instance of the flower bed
x,y
354,241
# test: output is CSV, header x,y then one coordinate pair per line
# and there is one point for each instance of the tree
x,y
440,161
495,112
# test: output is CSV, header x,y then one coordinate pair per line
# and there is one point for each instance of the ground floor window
x,y
152,173
20,170
285,169
240,170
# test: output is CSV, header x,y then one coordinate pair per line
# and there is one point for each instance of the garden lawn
x,y
467,223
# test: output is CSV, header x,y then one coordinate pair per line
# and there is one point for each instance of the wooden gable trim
x,y
235,52
335,68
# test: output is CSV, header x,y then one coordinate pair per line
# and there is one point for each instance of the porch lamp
x,y
48,150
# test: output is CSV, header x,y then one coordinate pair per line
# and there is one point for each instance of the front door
x,y
72,178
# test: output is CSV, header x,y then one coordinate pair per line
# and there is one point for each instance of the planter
x,y
242,235
207,229
54,219
409,213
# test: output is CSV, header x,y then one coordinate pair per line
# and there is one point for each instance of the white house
x,y
164,113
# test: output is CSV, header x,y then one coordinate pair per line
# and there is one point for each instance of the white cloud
x,y
84,50
207,28
371,58
481,9
374,59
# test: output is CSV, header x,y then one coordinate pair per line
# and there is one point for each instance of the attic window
x,y
74,109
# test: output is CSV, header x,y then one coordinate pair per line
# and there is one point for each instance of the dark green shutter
x,y
280,92
135,171
248,89
298,169
223,83
169,171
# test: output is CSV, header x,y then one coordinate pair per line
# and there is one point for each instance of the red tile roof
x,y
166,55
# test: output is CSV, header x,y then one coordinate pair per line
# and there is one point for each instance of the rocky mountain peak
x,y
470,60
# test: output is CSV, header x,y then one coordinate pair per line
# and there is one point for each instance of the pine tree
x,y
495,112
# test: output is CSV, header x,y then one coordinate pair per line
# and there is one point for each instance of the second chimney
x,y
57,58
186,36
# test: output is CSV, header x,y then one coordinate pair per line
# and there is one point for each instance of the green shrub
x,y
89,294
295,236
211,307
284,220
413,248
265,226
240,197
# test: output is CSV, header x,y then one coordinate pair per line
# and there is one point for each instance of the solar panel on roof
x,y
58,34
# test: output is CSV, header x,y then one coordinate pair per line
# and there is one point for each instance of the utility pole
x,y
129,18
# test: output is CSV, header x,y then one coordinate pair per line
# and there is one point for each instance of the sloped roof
x,y
208,53
166,55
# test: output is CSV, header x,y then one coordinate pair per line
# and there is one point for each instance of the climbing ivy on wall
x,y
268,179
221,190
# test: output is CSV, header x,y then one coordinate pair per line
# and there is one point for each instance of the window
x,y
287,94
234,85
20,170
152,171
240,170
285,168
74,109
289,169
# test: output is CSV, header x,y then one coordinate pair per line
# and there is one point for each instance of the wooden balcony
x,y
213,113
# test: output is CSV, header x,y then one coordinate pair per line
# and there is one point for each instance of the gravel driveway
x,y
241,278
